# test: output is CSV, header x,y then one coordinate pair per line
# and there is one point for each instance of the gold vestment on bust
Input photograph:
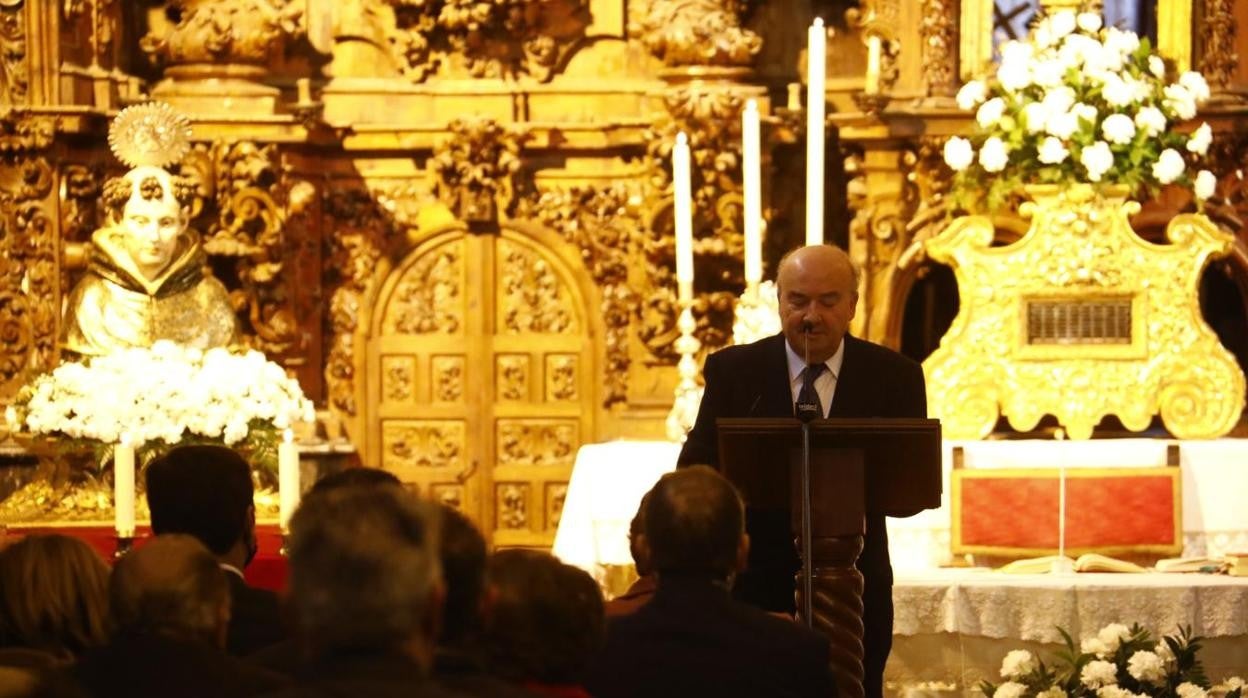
x,y
114,306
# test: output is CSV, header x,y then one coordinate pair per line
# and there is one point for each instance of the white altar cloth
x,y
952,628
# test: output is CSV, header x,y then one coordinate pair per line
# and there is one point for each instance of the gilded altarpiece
x,y
481,386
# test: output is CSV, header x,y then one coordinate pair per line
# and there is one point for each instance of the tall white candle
x,y
751,164
287,478
872,85
123,487
816,64
683,212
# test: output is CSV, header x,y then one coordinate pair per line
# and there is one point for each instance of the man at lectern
x,y
816,360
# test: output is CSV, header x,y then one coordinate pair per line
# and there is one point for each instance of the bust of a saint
x,y
146,276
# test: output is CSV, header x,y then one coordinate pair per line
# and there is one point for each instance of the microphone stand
x,y
806,415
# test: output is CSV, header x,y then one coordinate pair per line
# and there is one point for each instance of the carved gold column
x,y
216,57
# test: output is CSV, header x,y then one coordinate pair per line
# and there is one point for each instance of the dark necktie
x,y
808,395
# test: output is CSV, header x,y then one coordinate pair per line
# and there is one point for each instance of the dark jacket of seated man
x,y
693,638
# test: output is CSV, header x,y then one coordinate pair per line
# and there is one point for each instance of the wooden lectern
x,y
857,466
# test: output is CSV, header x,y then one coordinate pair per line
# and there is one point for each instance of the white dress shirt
x,y
825,383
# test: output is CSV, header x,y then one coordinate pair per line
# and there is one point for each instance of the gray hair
x,y
363,566
171,586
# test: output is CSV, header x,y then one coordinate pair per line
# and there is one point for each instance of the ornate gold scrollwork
x,y
250,32
698,32
531,300
939,29
602,223
29,271
410,443
512,505
1082,318
537,442
476,169
1218,59
429,298
14,69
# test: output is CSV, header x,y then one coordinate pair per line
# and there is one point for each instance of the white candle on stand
x,y
683,212
872,86
751,164
287,478
123,487
816,64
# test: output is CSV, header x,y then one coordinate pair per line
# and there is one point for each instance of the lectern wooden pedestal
x,y
857,466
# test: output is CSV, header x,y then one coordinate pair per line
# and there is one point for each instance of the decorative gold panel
x,y
430,297
531,298
537,441
561,378
511,378
448,378
410,443
1081,318
397,378
556,494
512,505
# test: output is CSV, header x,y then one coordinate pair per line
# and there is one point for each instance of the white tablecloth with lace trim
x,y
953,627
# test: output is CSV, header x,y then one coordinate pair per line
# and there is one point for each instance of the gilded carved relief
x,y
698,33
209,32
398,376
103,20
485,39
80,192
561,378
537,442
603,224
556,495
512,505
1218,59
430,297
511,377
475,169
939,30
414,443
531,298
448,378
14,70
449,495
30,281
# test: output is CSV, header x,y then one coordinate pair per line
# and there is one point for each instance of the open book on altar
x,y
1088,562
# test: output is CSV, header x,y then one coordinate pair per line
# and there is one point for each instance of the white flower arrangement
x,y
1119,662
1077,102
162,396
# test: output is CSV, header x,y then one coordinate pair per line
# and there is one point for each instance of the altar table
x,y
952,627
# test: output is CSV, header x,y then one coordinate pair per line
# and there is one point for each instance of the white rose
x,y
1034,116
1163,650
1062,125
1195,84
1017,663
1205,185
1169,167
993,155
1062,23
1119,129
1096,159
1121,41
1114,633
1085,112
1042,36
1235,682
1089,21
1157,66
1053,692
1048,73
1200,140
1190,690
1014,76
990,112
1180,100
1117,92
972,93
1010,689
1146,667
1058,99
1052,151
958,153
1097,673
1150,120
1114,692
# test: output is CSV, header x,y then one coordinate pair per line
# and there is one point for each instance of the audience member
x,y
693,638
545,622
53,601
170,608
641,590
352,477
206,491
365,589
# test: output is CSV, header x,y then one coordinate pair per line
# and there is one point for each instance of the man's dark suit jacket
x,y
694,639
255,618
137,666
752,380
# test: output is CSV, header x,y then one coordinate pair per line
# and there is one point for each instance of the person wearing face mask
x,y
206,491
815,363
146,276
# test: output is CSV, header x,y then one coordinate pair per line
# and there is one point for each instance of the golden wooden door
x,y
478,377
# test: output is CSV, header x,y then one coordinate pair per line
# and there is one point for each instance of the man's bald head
x,y
170,586
817,287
